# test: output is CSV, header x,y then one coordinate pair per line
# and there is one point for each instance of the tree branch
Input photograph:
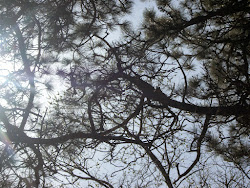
x,y
157,95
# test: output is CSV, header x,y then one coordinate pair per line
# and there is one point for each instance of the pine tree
x,y
152,109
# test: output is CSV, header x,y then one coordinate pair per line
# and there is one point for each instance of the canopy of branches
x,y
165,105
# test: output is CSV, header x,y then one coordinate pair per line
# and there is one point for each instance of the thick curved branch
x,y
157,95
23,138
226,10
30,75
